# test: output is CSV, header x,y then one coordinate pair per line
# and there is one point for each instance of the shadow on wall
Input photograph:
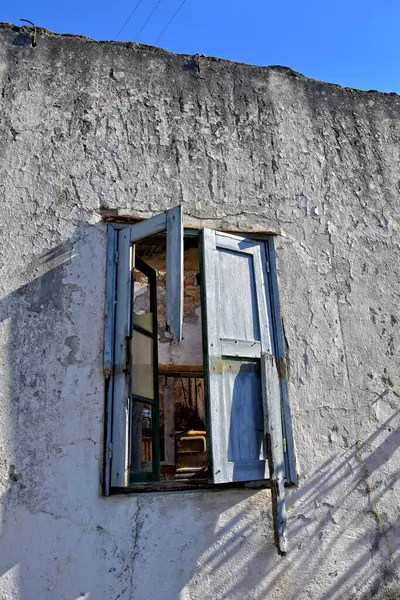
x,y
56,535
351,520
341,543
41,360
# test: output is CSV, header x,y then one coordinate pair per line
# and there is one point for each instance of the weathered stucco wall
x,y
87,126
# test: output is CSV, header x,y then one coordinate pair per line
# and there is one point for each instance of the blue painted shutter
x,y
242,384
109,348
237,333
171,222
120,415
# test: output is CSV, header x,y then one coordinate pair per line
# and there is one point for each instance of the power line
x,y
170,21
129,18
148,19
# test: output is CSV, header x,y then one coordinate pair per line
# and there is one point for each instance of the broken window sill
x,y
180,486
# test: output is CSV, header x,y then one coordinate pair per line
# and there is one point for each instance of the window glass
x,y
142,365
142,314
142,438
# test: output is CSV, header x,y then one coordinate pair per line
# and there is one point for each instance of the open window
x,y
194,397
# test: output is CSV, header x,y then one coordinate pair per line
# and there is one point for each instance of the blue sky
x,y
351,42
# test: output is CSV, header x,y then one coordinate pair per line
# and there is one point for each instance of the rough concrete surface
x,y
86,126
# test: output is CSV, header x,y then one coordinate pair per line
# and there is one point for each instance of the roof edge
x,y
161,51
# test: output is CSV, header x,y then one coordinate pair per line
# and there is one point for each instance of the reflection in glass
x,y
142,365
142,314
142,438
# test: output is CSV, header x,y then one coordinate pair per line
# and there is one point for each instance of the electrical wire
x,y
128,19
148,19
170,21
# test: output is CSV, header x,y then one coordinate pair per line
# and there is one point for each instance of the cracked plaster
x,y
90,127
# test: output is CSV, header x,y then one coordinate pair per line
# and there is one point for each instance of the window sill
x,y
180,486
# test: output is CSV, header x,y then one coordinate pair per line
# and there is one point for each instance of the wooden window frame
x,y
114,230
147,477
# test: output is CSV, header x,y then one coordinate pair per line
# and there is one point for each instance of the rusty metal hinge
x,y
283,365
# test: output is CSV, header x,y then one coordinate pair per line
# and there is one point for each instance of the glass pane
x,y
142,365
142,314
182,428
142,438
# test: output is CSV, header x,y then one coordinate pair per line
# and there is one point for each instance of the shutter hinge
x,y
284,445
268,266
127,353
283,365
116,258
109,450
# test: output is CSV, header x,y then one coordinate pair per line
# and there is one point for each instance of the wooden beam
x,y
276,458
181,370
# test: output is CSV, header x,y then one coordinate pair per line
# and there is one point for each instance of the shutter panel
x,y
174,291
281,356
236,335
242,384
171,222
276,456
120,449
109,349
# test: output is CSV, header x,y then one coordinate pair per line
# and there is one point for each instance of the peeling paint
x,y
94,131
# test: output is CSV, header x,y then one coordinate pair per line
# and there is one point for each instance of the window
x,y
196,392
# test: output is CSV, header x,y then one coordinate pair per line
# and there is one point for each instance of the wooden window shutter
x,y
169,221
242,384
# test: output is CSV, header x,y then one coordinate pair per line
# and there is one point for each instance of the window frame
x,y
147,477
114,230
